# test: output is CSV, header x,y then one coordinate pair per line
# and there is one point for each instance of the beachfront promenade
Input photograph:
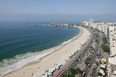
x,y
75,59
60,56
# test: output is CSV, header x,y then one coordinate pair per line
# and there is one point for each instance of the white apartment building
x,y
112,57
109,30
85,23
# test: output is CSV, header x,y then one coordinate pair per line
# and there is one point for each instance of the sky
x,y
57,10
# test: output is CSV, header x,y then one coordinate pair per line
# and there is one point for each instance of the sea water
x,y
25,43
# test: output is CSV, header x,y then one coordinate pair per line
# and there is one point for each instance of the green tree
x,y
104,69
100,74
97,64
96,40
105,48
104,40
72,70
67,75
87,60
100,62
72,75
78,71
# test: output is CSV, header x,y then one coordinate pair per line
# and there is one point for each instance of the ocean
x,y
26,43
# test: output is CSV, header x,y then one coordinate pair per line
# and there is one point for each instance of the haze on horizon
x,y
57,10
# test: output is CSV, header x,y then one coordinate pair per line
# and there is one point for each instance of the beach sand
x,y
60,56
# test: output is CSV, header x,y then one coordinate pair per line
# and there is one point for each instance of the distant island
x,y
59,25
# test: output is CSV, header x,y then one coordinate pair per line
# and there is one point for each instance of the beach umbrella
x,y
53,69
57,67
70,55
46,75
50,70
50,73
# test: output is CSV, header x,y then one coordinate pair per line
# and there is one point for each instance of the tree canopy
x,y
78,71
105,48
87,60
104,40
72,70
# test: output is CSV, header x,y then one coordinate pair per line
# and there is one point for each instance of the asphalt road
x,y
72,62
93,56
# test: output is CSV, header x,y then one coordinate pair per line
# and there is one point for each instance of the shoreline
x,y
75,37
40,60
34,57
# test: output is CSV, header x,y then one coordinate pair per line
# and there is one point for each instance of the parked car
x,y
91,74
83,74
93,70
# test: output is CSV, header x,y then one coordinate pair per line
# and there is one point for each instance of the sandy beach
x,y
60,56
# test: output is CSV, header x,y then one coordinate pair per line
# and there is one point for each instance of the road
x,y
93,56
74,60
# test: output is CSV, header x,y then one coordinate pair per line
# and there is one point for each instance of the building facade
x,y
109,29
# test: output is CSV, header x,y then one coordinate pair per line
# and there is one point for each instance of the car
x,y
91,74
93,71
76,59
88,65
83,74
94,68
